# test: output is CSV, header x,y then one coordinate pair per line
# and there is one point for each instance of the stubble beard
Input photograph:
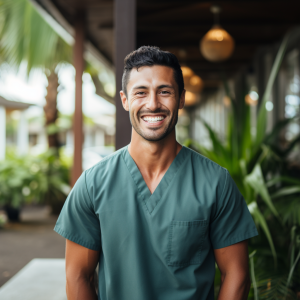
x,y
155,137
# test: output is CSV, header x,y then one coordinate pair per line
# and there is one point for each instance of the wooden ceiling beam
x,y
204,26
147,3
180,8
187,43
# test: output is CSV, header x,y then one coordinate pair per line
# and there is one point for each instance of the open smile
x,y
154,120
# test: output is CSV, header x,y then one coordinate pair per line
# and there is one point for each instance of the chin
x,y
153,137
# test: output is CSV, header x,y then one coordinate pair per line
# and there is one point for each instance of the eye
x,y
140,93
165,92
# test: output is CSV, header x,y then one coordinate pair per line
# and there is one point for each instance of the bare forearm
x,y
234,287
81,288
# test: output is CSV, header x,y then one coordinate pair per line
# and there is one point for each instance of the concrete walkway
x,y
32,238
41,279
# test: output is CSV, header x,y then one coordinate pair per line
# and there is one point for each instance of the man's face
x,y
153,101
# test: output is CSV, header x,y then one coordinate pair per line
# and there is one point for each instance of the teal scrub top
x,y
156,246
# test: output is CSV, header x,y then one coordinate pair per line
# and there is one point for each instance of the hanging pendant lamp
x,y
217,45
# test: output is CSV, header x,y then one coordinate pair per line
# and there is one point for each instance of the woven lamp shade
x,y
217,45
192,82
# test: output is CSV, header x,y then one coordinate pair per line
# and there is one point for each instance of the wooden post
x,y
78,119
125,42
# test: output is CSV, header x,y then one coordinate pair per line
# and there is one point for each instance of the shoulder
x,y
205,164
107,164
206,172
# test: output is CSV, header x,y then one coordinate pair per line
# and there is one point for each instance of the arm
x,y
81,263
233,264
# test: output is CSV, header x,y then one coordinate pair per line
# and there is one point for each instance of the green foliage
x,y
26,36
19,181
244,155
42,179
260,170
58,178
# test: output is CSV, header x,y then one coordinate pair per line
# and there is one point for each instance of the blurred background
x,y
61,63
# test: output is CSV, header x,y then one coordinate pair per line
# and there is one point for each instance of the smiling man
x,y
155,215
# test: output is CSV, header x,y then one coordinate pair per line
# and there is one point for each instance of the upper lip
x,y
151,115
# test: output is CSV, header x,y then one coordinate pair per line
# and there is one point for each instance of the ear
x,y
124,100
182,100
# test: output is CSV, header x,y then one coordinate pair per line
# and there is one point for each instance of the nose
x,y
153,102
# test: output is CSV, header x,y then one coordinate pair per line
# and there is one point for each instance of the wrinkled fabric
x,y
156,246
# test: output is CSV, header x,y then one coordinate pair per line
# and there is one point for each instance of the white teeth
x,y
153,119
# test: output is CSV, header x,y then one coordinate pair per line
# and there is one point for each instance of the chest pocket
x,y
185,242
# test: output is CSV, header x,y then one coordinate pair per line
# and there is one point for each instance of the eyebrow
x,y
166,86
160,87
139,87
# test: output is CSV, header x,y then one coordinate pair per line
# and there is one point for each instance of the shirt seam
x,y
76,239
108,157
199,155
224,184
237,239
221,197
141,195
88,191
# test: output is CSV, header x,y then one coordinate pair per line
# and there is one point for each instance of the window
x,y
292,93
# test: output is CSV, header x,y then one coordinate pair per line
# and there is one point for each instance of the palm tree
x,y
26,36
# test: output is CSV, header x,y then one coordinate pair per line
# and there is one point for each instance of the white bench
x,y
40,279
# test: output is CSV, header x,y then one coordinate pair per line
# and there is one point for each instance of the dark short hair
x,y
150,56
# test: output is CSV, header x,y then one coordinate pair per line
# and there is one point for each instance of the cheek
x,y
135,104
170,103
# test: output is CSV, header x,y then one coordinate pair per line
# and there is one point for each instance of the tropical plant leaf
x,y
280,179
274,288
261,221
289,210
256,180
279,126
286,191
25,35
292,272
252,272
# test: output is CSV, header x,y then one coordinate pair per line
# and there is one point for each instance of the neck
x,y
153,158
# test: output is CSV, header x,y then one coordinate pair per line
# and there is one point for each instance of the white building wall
x,y
99,138
214,113
22,136
2,132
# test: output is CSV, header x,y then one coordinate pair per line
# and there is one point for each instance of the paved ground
x,y
32,238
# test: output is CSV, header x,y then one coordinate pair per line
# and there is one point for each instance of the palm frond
x,y
25,35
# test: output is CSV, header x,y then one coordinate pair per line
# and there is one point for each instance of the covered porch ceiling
x,y
178,26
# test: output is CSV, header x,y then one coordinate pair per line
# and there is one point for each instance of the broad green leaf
x,y
256,180
253,279
260,219
272,136
286,191
289,210
291,146
292,271
246,138
278,179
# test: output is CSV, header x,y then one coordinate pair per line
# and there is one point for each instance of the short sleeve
x,y
77,221
231,221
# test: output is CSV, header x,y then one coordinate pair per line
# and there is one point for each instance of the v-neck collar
x,y
151,200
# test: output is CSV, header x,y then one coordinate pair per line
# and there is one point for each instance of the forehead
x,y
151,75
